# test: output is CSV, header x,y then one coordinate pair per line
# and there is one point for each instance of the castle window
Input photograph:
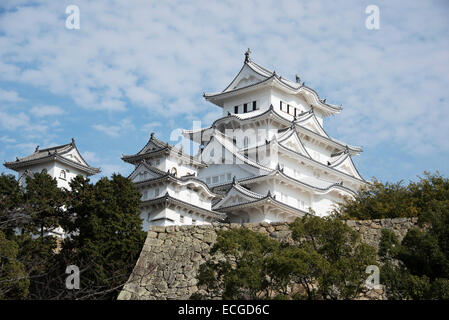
x,y
228,177
193,221
254,105
62,175
280,102
245,108
288,108
236,109
156,192
181,219
208,180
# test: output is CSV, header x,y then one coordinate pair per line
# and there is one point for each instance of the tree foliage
x,y
418,267
393,200
327,259
14,281
104,227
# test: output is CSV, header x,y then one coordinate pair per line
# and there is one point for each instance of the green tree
x,y
334,257
14,280
242,274
11,202
43,203
378,201
418,267
394,200
106,234
327,259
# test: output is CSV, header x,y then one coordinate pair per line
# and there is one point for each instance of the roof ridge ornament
x,y
298,79
73,141
151,135
247,53
37,149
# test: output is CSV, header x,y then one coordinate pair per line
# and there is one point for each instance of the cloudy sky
x,y
135,67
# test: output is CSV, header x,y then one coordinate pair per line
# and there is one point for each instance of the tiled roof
x,y
52,153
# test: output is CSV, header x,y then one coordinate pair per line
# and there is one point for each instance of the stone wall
x,y
171,256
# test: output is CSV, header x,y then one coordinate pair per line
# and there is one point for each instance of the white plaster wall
x,y
54,170
295,101
262,97
222,171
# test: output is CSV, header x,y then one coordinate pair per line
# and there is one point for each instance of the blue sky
x,y
135,67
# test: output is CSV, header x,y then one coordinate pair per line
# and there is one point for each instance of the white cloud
x,y
149,127
90,157
13,121
44,111
7,139
10,96
115,130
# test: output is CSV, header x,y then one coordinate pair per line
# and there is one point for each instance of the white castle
x,y
267,159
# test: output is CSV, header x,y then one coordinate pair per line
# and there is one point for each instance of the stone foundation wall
x,y
171,256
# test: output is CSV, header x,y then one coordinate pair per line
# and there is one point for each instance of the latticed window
x,y
62,174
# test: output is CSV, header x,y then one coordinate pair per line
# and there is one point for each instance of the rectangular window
x,y
228,176
245,108
254,105
193,221
280,104
215,179
236,109
222,178
295,111
208,180
223,154
288,108
156,192
181,219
